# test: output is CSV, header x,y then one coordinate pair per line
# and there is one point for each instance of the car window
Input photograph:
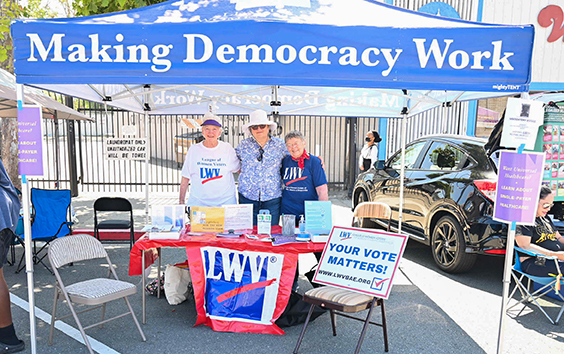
x,y
411,154
443,157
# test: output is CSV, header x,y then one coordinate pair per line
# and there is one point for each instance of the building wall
x,y
548,57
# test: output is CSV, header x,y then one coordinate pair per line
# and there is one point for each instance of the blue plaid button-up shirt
x,y
261,180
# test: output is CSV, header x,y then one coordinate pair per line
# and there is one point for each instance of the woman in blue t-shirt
x,y
303,176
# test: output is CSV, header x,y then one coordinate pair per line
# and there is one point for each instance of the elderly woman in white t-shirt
x,y
209,168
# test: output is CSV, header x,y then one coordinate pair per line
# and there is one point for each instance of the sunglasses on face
x,y
547,205
259,157
255,127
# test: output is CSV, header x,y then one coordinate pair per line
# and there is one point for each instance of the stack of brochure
x,y
167,222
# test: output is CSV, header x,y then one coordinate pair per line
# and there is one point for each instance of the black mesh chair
x,y
114,204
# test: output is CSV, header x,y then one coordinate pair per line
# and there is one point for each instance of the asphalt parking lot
x,y
428,312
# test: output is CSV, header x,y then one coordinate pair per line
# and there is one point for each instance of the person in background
x,y
303,177
261,157
9,214
209,168
369,153
541,238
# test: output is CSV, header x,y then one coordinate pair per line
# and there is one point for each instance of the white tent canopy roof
x,y
50,107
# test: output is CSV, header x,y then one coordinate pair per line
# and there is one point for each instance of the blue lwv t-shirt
x,y
299,185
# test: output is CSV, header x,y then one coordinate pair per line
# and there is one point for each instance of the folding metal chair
x,y
342,302
51,219
107,204
92,292
546,285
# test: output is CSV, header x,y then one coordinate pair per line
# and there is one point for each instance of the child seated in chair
x,y
542,238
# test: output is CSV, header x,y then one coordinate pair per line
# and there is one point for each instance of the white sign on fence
x,y
125,149
361,260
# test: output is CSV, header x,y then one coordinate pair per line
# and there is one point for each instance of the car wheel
x,y
364,223
448,247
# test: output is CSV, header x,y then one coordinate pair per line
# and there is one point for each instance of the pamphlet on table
x,y
166,221
222,219
318,220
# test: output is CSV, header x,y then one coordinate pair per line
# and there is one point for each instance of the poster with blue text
x,y
361,260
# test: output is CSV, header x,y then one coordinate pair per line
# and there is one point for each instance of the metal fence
x,y
74,151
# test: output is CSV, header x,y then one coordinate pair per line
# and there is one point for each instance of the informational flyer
x,y
170,217
550,142
238,217
207,219
361,260
30,141
522,119
318,217
518,184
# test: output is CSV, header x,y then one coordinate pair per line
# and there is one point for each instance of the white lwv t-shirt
x,y
210,171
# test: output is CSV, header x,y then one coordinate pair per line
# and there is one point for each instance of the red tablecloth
x,y
226,300
238,243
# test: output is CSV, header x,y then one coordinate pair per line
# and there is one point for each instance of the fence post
x,y
350,176
71,145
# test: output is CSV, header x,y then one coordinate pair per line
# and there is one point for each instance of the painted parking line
x,y
72,332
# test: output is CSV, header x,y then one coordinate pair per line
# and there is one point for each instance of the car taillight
x,y
487,187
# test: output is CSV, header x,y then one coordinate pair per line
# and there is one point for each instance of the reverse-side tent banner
x,y
358,43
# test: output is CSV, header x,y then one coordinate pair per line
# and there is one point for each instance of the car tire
x,y
364,223
448,247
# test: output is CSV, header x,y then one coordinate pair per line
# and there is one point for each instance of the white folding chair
x,y
94,292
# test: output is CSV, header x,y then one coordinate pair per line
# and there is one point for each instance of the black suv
x,y
449,190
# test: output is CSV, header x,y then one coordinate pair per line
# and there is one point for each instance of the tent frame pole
x,y
402,170
147,153
27,242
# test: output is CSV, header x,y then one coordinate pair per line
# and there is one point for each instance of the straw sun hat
x,y
259,117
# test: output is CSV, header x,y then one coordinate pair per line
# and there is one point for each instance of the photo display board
x,y
550,141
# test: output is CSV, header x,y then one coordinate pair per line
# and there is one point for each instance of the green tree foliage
x,y
9,11
95,7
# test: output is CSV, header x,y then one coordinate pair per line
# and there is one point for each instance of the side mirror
x,y
380,164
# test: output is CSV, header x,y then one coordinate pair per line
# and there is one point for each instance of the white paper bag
x,y
176,284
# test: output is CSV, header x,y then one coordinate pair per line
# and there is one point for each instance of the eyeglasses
x,y
261,152
255,127
547,205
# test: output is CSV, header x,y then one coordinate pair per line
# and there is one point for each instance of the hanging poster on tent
x,y
518,185
125,149
522,119
361,260
30,141
550,141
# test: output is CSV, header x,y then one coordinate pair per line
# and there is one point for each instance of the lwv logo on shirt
x,y
293,174
209,174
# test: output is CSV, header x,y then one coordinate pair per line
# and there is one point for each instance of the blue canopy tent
x,y
240,55
125,59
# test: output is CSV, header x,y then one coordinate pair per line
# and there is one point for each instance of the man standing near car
x,y
9,214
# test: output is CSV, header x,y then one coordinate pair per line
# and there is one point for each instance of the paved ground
x,y
428,311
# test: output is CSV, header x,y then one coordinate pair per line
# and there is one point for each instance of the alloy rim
x,y
445,244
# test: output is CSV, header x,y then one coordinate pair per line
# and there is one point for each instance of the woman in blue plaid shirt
x,y
261,157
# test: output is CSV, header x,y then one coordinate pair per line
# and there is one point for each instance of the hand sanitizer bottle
x,y
302,224
303,235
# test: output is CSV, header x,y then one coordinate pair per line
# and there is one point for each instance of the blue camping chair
x,y
545,285
51,215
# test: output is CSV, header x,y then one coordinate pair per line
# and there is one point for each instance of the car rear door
x,y
434,182
387,188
